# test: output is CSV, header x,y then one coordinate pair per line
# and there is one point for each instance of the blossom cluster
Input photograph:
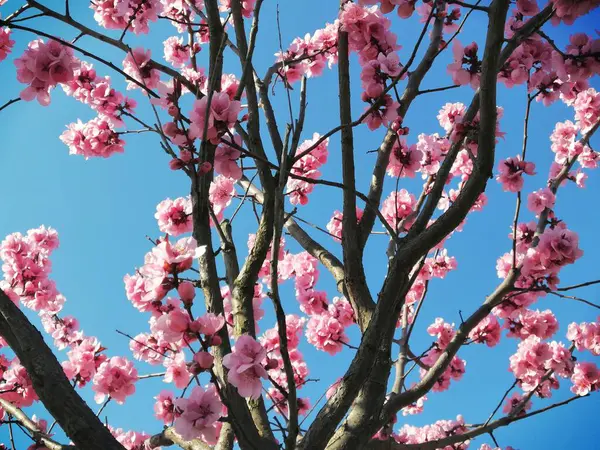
x,y
307,167
26,271
42,67
130,14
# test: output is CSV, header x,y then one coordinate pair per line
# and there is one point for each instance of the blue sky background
x,y
103,209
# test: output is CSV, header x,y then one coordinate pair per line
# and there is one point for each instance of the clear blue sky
x,y
103,209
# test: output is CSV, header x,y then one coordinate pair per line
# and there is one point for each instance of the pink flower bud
x,y
176,164
204,168
215,340
187,292
204,360
185,155
271,364
173,111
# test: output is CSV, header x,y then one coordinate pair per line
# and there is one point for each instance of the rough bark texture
x,y
50,383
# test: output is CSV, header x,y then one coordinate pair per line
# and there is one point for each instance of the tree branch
x,y
50,383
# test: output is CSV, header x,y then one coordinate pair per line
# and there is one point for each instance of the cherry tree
x,y
232,380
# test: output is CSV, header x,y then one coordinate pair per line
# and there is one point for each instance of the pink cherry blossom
x,y
568,10
199,415
307,167
164,408
131,14
115,378
95,138
245,366
226,158
587,109
326,333
42,66
138,65
541,199
514,401
247,6
220,194
585,336
511,171
397,207
84,360
585,379
172,326
451,114
486,332
222,116
176,52
174,216
177,371
404,160
335,224
6,43
466,66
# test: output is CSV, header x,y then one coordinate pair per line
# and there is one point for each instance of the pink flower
x,y
541,199
177,371
172,326
466,67
563,140
119,14
451,114
515,400
95,138
138,65
148,348
568,10
226,158
307,167
335,224
84,360
525,322
115,378
222,116
528,7
443,331
486,332
245,366
326,333
164,408
176,52
247,6
204,360
587,109
404,160
397,207
6,43
18,386
220,193
199,415
187,292
585,379
209,324
385,114
438,266
409,434
316,51
174,216
511,171
178,257
130,440
42,67
585,336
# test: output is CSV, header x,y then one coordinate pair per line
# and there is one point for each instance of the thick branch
x,y
50,383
